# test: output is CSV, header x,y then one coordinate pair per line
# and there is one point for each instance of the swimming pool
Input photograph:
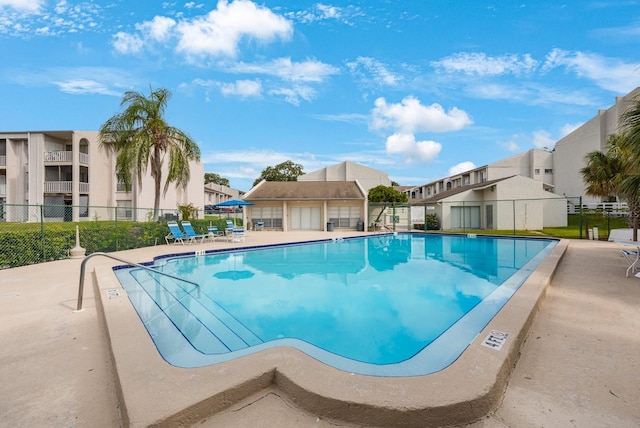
x,y
386,305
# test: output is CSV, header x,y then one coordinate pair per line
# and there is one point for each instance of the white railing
x,y
610,207
3,189
58,186
3,161
84,158
84,187
58,156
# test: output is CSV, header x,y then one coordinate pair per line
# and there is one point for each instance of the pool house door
x,y
306,218
465,217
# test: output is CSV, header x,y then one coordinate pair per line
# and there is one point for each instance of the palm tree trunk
x,y
156,173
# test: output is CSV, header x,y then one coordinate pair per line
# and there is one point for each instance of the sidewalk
x,y
579,366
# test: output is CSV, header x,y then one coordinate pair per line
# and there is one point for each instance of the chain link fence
x,y
31,234
462,215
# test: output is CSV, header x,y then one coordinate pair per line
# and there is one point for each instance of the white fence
x,y
614,209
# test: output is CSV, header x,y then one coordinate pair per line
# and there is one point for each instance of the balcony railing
x,y
64,156
58,186
3,189
3,161
64,187
58,156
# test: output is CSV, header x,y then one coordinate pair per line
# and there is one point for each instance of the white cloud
x,y
543,140
323,12
412,150
569,128
221,30
511,146
305,71
86,87
216,34
127,43
371,69
482,65
294,94
609,73
158,29
242,88
409,116
461,167
77,80
29,6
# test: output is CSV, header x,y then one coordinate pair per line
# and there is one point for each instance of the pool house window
x,y
271,216
344,216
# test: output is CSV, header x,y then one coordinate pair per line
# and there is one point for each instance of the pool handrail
x,y
83,268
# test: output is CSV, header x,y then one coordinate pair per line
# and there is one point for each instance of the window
x,y
536,171
548,171
83,210
54,207
344,216
465,217
120,187
271,216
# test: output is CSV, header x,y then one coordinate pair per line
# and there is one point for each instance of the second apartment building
x,y
72,179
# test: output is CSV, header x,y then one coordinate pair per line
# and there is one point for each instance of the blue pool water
x,y
387,305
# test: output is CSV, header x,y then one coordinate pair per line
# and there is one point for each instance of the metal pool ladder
x,y
83,268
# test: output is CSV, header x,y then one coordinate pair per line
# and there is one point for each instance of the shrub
x,y
432,222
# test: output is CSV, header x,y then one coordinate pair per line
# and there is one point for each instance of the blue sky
x,y
418,89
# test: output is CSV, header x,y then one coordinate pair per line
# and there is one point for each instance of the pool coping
x,y
153,393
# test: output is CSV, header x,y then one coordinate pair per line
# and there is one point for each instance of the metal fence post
x,y
44,248
513,202
116,225
580,217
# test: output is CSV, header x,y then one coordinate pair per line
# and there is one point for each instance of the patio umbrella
x,y
233,203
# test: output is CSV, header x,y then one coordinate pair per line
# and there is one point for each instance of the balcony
x,y
63,187
58,186
3,189
64,156
58,156
3,161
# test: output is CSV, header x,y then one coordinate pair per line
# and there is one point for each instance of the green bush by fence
x,y
26,243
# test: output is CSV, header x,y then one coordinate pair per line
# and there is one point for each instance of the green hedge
x,y
24,244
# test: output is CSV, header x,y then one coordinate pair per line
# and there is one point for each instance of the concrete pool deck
x,y
578,366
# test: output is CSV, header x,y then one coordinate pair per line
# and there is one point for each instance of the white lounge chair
x,y
233,232
214,233
633,259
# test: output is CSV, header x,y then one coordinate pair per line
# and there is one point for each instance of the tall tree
x,y
212,177
285,171
141,138
615,173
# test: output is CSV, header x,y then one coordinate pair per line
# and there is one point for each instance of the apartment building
x,y
536,164
67,174
570,150
217,193
558,169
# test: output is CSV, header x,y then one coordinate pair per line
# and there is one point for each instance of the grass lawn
x,y
572,231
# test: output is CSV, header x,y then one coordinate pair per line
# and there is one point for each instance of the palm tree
x,y
614,173
630,186
630,123
141,137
